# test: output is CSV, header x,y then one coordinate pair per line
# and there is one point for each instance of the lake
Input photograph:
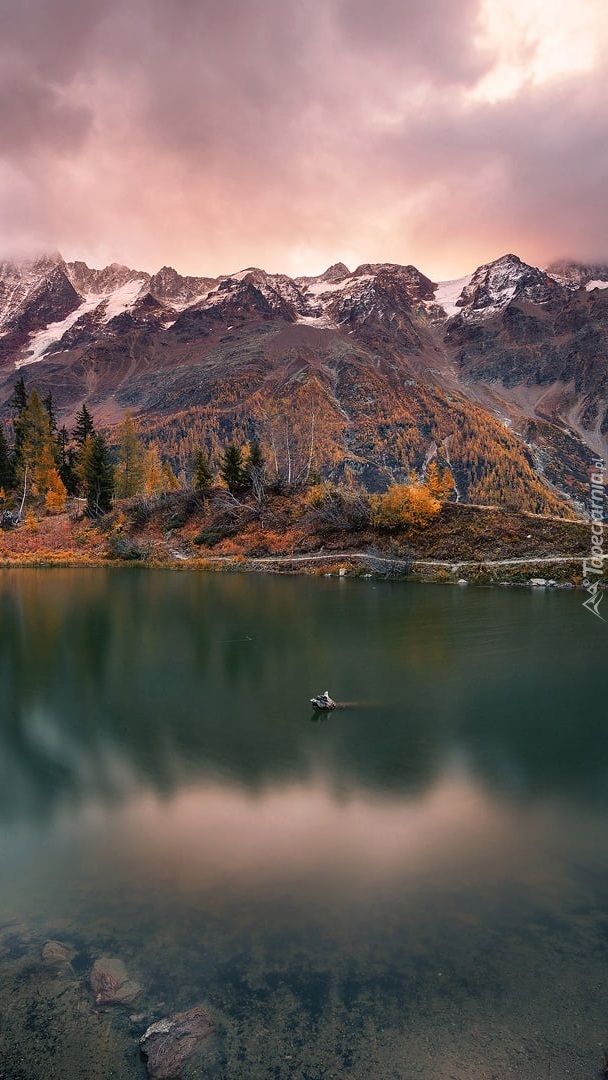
x,y
415,885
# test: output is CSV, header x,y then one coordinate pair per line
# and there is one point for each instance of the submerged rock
x,y
111,984
56,953
168,1045
15,940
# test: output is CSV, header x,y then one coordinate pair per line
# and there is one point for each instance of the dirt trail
x,y
536,560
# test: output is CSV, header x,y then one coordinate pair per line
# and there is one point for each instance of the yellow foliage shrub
x,y
403,505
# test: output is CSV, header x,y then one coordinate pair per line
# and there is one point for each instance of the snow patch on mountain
x,y
596,285
320,322
191,301
42,341
118,301
322,288
349,286
122,299
448,293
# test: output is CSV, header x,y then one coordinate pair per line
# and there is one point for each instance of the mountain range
x,y
370,373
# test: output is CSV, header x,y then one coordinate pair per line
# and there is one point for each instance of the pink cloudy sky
x,y
289,134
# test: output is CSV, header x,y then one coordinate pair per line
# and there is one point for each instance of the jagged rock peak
x,y
336,272
494,285
386,268
87,280
394,276
168,285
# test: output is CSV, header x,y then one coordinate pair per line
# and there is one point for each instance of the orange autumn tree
x,y
47,481
154,480
38,456
403,505
439,483
56,495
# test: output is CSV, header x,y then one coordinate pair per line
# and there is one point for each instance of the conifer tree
x,y
56,494
153,471
130,473
18,398
18,404
36,440
202,478
84,426
7,465
232,470
50,409
66,462
440,484
98,476
170,480
44,471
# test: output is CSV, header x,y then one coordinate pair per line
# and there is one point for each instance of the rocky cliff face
x,y
503,373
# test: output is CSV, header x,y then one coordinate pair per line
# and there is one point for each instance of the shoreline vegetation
x,y
305,532
90,499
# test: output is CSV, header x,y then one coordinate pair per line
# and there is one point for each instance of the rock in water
x,y
169,1044
56,953
111,984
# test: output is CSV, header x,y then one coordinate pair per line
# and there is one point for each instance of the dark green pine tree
x,y
18,403
84,426
50,408
7,465
98,475
66,462
202,477
232,470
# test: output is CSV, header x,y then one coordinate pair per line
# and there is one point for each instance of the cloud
x,y
215,134
36,117
435,41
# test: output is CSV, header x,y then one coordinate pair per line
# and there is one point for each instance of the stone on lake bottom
x,y
55,952
168,1045
111,984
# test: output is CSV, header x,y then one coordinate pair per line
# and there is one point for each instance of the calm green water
x,y
416,885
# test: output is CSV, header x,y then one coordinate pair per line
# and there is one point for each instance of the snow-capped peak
x,y
494,285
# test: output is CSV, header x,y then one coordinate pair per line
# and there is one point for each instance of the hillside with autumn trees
x,y
89,495
43,466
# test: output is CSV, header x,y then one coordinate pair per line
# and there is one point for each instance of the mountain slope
x,y
501,374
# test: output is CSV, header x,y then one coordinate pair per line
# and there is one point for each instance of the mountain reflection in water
x,y
110,681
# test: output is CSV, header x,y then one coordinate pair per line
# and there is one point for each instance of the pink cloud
x,y
214,135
